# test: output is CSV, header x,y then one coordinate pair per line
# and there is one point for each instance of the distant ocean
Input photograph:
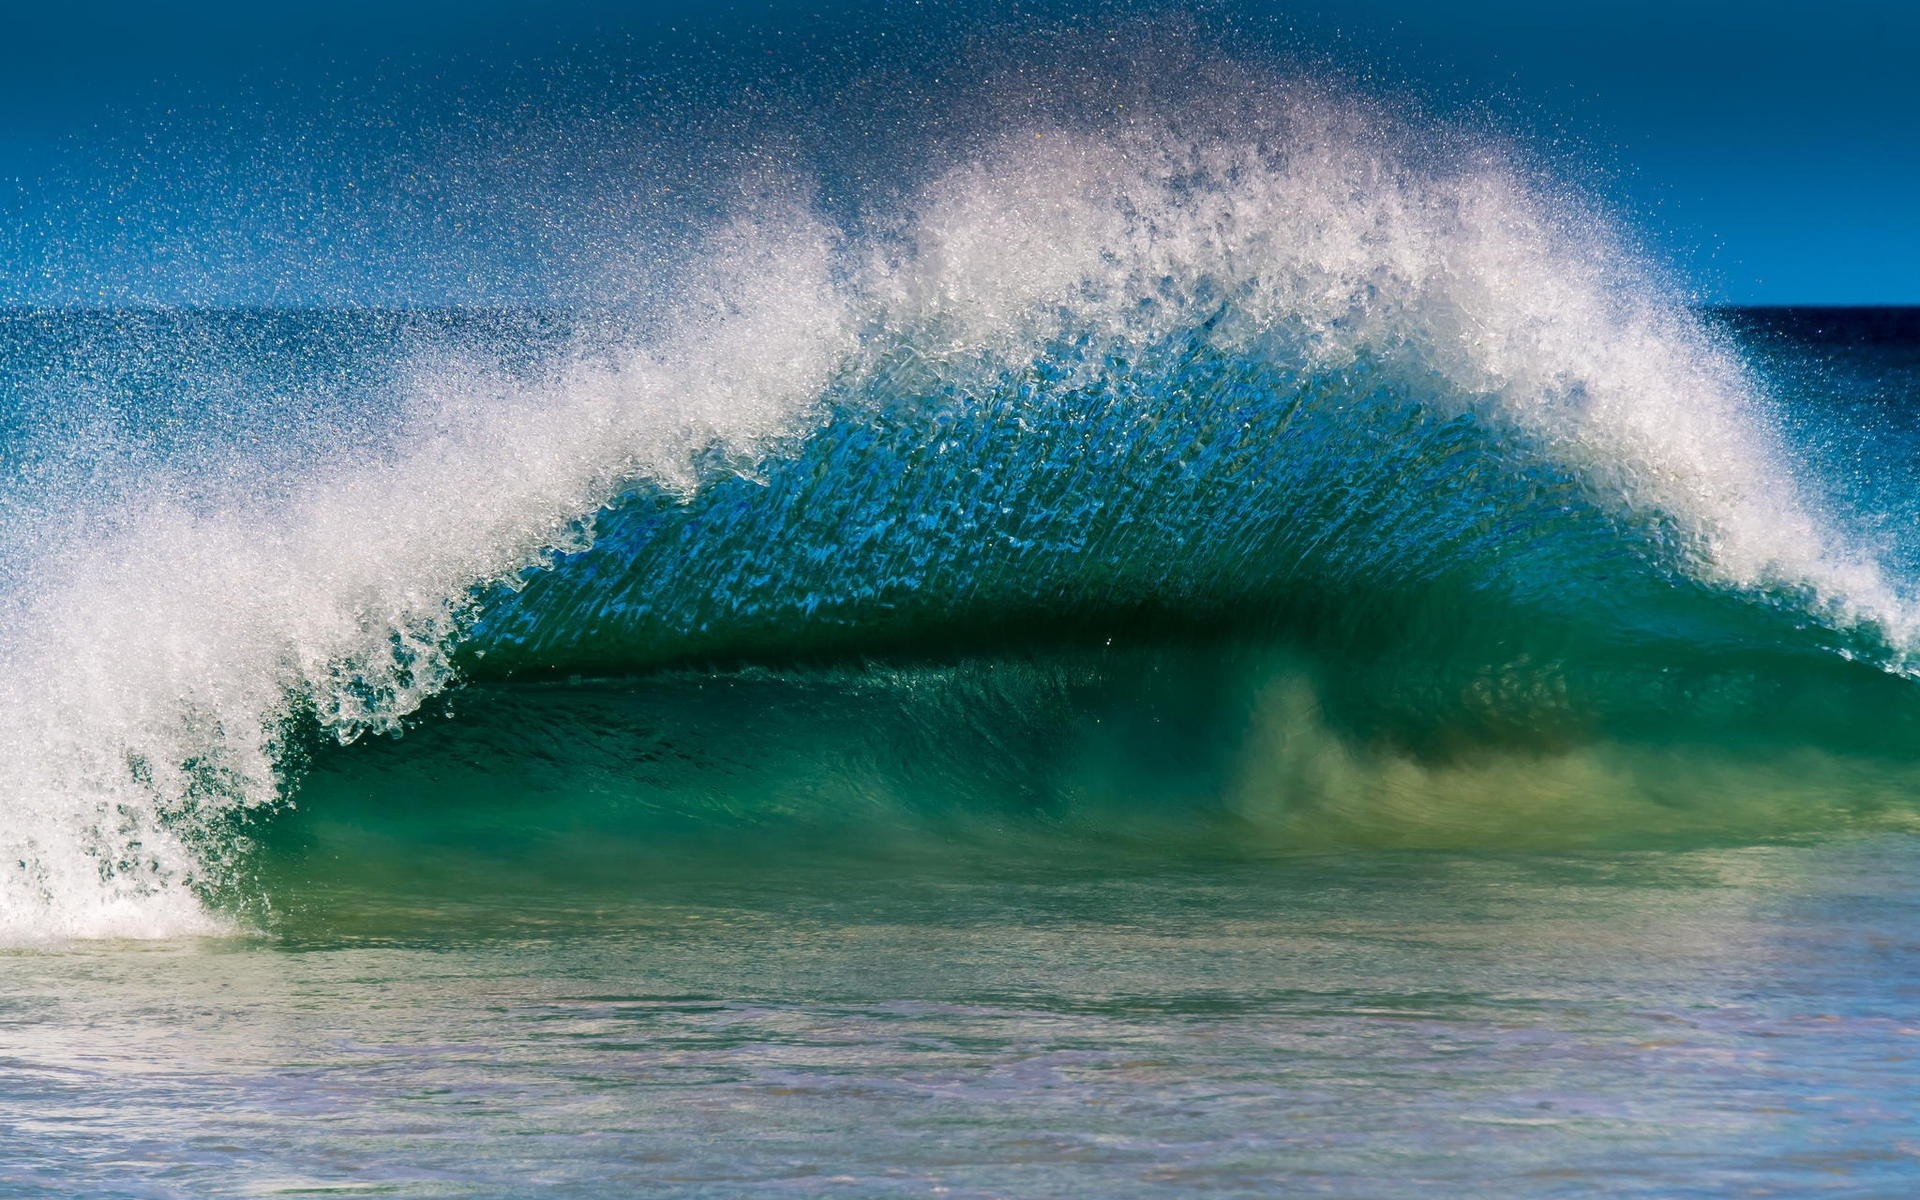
x,y
1225,658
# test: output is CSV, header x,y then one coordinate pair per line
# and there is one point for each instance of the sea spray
x,y
1327,258
153,677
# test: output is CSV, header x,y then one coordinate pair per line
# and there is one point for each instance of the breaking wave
x,y
1340,454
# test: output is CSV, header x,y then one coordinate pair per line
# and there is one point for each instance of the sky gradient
x,y
219,153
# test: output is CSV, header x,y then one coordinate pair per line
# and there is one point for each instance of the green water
x,y
710,936
1212,779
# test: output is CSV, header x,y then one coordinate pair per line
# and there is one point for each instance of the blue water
x,y
1246,647
1025,906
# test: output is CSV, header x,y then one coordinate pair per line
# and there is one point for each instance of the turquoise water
x,y
1253,648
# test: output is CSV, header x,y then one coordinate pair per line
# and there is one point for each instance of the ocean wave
x,y
1311,371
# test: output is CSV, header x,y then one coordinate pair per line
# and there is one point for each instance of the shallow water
x,y
1068,1022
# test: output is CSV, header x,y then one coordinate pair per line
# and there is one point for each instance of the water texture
x,y
1251,648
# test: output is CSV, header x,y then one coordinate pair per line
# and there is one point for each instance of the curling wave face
x,y
1305,380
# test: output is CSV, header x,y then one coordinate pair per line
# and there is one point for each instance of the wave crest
x,y
1153,362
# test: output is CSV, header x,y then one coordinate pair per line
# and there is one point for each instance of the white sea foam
x,y
150,677
150,674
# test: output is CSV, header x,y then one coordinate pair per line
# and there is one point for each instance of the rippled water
x,y
1072,1022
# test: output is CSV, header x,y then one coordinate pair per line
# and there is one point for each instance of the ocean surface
x,y
1222,658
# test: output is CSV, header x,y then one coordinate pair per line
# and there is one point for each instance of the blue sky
x,y
1773,148
215,152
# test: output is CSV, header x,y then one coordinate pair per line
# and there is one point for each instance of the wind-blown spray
x,y
1307,252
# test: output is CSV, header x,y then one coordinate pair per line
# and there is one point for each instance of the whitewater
x,y
899,601
165,657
